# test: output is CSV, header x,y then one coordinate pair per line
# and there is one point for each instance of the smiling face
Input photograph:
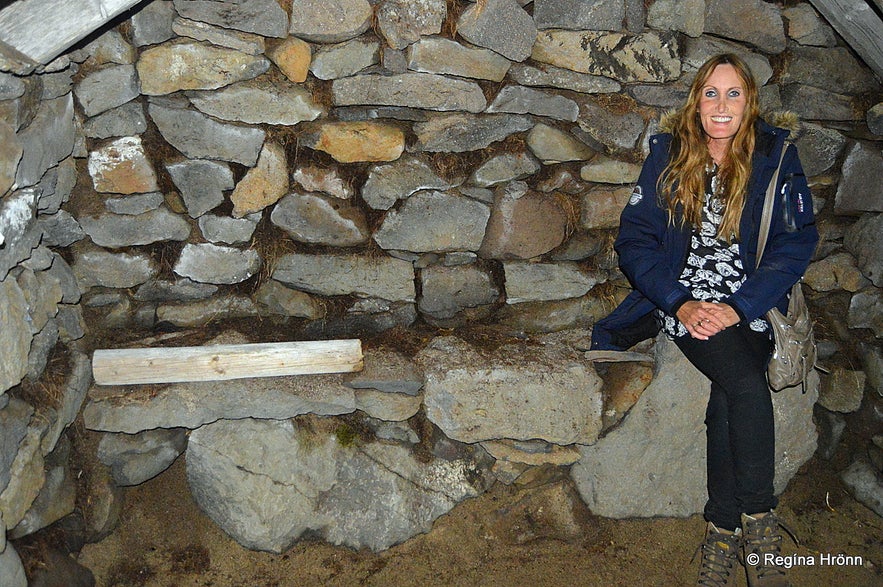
x,y
721,107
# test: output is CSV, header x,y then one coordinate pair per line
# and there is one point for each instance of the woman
x,y
688,245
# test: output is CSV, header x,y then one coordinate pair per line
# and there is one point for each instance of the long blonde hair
x,y
682,184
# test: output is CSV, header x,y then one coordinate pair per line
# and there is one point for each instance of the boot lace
x,y
719,556
762,537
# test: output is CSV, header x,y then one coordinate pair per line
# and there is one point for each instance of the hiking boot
x,y
720,554
761,546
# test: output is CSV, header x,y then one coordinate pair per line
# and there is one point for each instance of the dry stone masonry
x,y
346,168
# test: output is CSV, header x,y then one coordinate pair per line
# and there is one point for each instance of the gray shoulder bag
x,y
794,351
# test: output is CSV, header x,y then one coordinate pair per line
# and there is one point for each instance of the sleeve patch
x,y
636,197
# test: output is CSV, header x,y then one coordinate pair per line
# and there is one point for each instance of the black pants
x,y
739,421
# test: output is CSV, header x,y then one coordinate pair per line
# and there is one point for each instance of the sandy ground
x,y
510,536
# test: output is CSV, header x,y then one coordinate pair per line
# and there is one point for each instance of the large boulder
x,y
653,463
268,482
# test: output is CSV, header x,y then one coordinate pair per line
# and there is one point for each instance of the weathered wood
x,y
223,362
859,25
43,29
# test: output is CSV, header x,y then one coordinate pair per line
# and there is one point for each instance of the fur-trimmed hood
x,y
786,119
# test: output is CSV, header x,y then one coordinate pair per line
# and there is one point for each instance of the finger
x,y
698,330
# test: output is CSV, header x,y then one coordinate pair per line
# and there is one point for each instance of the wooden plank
x,y
43,29
859,26
226,361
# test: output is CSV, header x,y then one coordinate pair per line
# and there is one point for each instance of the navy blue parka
x,y
653,251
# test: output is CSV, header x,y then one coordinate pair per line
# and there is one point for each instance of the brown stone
x,y
10,154
122,167
350,142
292,56
523,224
601,207
175,66
264,184
623,385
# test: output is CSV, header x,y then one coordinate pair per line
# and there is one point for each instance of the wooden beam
x,y
859,25
43,29
223,362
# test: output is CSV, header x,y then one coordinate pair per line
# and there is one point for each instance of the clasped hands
x,y
705,319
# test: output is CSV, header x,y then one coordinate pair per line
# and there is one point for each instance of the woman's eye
x,y
735,93
710,93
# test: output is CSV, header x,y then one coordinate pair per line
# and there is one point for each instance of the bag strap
x,y
769,201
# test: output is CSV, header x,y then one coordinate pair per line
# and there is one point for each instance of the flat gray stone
x,y
827,68
863,239
125,120
819,148
210,263
199,137
447,291
505,168
434,221
456,133
387,371
123,230
107,88
414,90
863,167
499,25
263,17
330,21
259,102
818,104
645,57
402,22
604,15
180,290
552,145
152,24
519,391
345,59
136,458
226,230
753,21
862,479
389,183
445,56
115,270
134,204
191,405
805,26
202,183
319,219
536,282
543,75
184,64
245,42
686,16
47,140
19,228
522,100
335,275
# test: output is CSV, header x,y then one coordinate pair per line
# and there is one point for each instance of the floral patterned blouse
x,y
713,270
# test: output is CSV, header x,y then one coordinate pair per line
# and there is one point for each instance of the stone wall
x,y
404,165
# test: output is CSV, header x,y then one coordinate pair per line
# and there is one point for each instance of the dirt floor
x,y
503,538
